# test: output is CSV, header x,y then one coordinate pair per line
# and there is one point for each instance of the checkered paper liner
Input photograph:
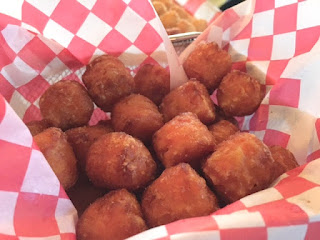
x,y
282,54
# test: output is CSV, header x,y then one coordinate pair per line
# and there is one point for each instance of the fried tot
x,y
107,81
169,19
177,194
240,166
115,216
183,139
208,64
138,116
54,145
222,130
239,94
66,104
189,97
36,127
118,160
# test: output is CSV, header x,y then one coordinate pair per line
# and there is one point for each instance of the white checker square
x,y
160,55
133,57
215,35
308,14
12,8
29,27
127,1
240,220
262,23
18,73
206,11
239,50
265,196
93,30
284,46
8,202
55,71
39,176
58,33
312,172
88,3
259,134
203,235
280,3
55,237
182,2
295,232
154,233
66,216
279,179
47,7
246,123
16,37
258,70
130,24
19,104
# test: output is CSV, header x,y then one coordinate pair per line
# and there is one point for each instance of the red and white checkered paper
x,y
277,41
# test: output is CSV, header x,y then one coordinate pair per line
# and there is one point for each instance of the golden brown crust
x,y
183,139
240,166
107,81
115,216
222,130
208,64
37,127
239,94
66,104
117,160
177,194
53,143
189,97
138,116
152,81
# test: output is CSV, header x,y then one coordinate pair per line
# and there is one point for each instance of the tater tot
x,y
200,24
115,216
82,138
152,81
222,130
66,104
208,64
177,194
159,7
107,81
138,116
183,139
189,97
118,160
285,159
240,166
53,143
36,127
239,94
169,19
186,26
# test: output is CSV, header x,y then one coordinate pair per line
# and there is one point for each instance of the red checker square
x,y
260,48
34,89
313,156
306,39
275,70
143,8
34,17
13,166
6,53
2,108
96,116
241,66
35,215
280,213
148,60
34,146
317,126
69,60
289,13
36,54
244,233
262,5
229,17
259,119
313,231
33,113
206,223
193,5
8,20
7,237
62,193
70,20
285,93
246,32
6,88
274,137
114,43
234,207
68,236
300,185
81,49
113,17
143,42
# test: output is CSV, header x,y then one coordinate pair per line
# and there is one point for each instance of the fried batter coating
x,y
138,116
200,24
152,81
115,216
177,194
222,130
239,94
186,26
169,19
183,139
118,160
240,166
208,64
53,143
220,115
107,81
159,7
285,159
189,97
36,127
82,138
